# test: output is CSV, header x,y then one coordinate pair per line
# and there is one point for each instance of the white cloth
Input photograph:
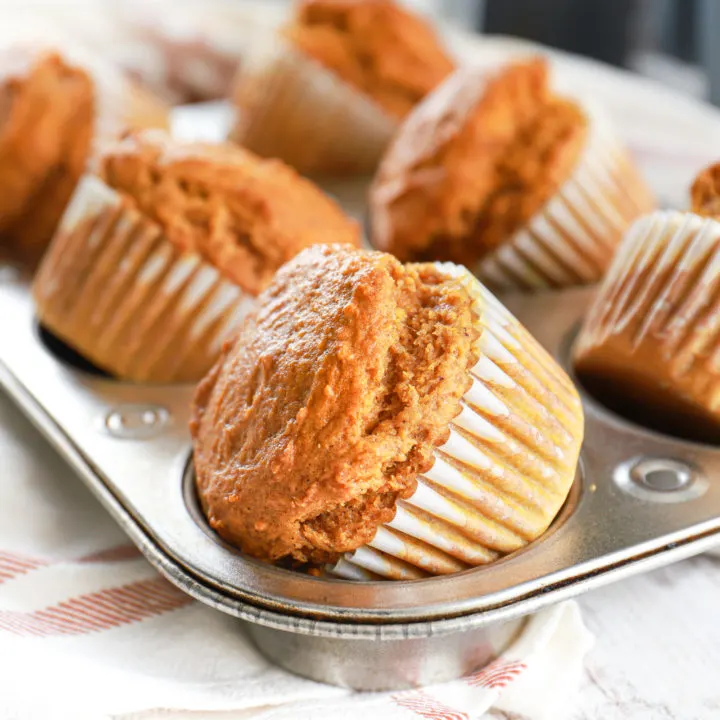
x,y
89,630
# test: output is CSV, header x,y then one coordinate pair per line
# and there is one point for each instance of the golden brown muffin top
x,y
387,52
330,401
705,192
244,214
46,126
473,163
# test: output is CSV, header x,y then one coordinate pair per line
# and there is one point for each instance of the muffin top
x,y
46,121
244,214
473,163
705,192
330,401
387,52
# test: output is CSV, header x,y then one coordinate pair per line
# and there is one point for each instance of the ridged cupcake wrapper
x,y
294,109
114,288
662,295
572,240
503,474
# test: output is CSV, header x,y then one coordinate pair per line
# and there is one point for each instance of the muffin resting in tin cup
x,y
157,260
385,420
650,344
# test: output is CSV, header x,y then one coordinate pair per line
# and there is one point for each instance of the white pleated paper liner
x,y
654,327
293,108
505,471
572,239
118,291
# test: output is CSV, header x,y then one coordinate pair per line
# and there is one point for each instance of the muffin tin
x,y
640,500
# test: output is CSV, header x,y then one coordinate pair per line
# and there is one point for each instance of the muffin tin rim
x,y
568,508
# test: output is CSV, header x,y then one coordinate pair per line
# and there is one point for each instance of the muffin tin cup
x,y
505,470
114,288
661,301
572,240
292,108
130,444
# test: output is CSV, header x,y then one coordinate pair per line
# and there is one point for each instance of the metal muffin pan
x,y
641,500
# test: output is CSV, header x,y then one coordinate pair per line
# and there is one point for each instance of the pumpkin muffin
x,y
526,188
384,418
157,260
650,346
342,77
55,107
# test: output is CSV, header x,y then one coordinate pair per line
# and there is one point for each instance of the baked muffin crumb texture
x,y
246,215
46,126
334,395
474,163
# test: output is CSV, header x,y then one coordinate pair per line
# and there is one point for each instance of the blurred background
x,y
189,48
672,41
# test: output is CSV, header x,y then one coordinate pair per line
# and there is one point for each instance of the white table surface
x,y
657,655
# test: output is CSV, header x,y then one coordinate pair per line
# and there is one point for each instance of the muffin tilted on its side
x,y
341,77
55,108
650,346
158,259
528,189
383,418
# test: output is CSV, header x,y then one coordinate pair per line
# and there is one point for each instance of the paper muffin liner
x,y
505,470
114,288
572,239
661,300
293,108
